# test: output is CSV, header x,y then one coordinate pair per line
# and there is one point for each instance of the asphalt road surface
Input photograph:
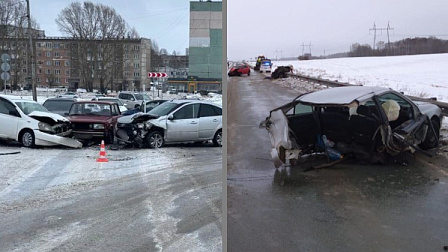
x,y
61,199
346,207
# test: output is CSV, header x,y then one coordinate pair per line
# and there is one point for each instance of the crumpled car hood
x,y
136,118
44,116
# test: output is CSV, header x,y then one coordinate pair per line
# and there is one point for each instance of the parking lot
x,y
140,200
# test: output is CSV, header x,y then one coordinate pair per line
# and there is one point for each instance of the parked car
x,y
366,123
146,107
174,121
120,103
94,120
31,124
149,105
239,70
60,106
68,95
133,99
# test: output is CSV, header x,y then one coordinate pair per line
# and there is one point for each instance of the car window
x,y
187,112
302,109
218,110
165,108
207,110
115,110
6,107
138,97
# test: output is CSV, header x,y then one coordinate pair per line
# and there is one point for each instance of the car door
x,y
9,119
210,119
406,121
183,124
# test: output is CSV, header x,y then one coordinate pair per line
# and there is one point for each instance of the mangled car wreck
x,y
363,123
31,124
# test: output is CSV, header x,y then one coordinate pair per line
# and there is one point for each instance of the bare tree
x,y
98,28
13,38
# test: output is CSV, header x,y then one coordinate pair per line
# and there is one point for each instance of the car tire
x,y
431,139
28,139
248,73
217,139
154,139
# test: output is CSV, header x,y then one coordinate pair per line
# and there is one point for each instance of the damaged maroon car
x,y
364,123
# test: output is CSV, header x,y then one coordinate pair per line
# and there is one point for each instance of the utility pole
x,y
380,29
33,62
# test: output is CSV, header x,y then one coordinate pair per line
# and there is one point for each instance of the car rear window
x,y
58,105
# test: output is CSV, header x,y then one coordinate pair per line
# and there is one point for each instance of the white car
x,y
31,124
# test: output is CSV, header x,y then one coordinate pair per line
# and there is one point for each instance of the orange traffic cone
x,y
102,157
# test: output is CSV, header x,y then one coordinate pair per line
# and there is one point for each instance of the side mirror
x,y
171,117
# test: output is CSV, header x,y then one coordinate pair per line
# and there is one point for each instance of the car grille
x,y
61,128
126,127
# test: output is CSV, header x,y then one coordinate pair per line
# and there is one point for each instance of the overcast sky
x,y
279,28
165,21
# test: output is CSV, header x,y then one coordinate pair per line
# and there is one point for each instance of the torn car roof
x,y
340,95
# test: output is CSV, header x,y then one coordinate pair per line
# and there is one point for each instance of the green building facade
x,y
205,50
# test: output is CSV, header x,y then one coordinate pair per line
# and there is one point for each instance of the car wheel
x,y
217,139
431,139
27,139
248,73
154,139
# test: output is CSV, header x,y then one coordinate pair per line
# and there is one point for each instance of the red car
x,y
94,120
239,70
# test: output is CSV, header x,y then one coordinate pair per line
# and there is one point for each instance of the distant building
x,y
61,61
205,51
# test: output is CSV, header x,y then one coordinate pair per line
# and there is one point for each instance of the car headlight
x,y
98,126
45,127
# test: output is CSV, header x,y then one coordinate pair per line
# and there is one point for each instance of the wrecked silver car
x,y
31,124
364,123
175,121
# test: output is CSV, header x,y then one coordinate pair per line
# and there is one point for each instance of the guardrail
x,y
442,105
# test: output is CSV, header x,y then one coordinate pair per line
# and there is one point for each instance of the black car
x,y
59,106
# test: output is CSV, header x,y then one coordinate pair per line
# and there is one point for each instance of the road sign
x,y
5,57
157,75
5,76
5,66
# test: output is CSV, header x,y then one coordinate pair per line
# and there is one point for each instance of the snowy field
x,y
417,75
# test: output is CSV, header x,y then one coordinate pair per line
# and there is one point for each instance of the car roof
x,y
340,95
192,101
96,102
61,99
107,98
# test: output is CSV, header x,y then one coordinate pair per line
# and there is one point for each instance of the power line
x,y
381,29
